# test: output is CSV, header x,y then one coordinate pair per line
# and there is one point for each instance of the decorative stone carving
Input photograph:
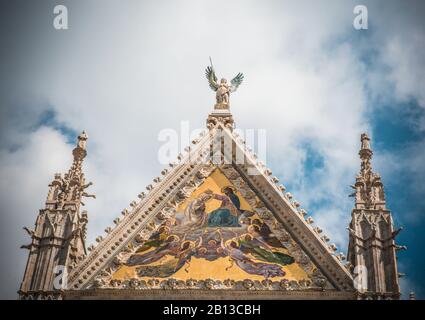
x,y
209,284
222,89
371,233
60,230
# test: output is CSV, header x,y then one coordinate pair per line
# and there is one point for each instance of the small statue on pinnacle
x,y
222,89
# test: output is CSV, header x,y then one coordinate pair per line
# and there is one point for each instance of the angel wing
x,y
212,79
236,82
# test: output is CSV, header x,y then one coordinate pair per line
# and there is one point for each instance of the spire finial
x,y
369,188
365,154
82,140
80,151
365,151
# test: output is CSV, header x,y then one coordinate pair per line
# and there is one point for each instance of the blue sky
x,y
396,133
126,70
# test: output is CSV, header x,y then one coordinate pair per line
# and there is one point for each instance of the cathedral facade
x,y
216,224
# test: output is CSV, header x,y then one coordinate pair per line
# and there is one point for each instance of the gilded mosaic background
x,y
215,234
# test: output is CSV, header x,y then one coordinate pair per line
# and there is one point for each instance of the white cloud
x,y
408,67
25,173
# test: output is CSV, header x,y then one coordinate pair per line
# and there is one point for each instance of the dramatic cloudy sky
x,y
125,70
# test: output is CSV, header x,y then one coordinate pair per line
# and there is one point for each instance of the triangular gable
x,y
314,265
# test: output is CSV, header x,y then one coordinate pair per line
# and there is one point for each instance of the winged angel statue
x,y
222,89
